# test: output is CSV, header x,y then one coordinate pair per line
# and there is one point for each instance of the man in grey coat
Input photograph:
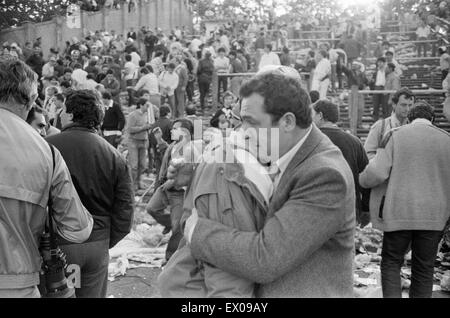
x,y
413,161
306,247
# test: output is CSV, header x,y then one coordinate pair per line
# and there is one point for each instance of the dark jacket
x,y
354,78
354,154
205,71
216,118
36,63
102,179
114,118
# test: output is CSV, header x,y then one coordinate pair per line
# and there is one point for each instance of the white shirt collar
x,y
284,161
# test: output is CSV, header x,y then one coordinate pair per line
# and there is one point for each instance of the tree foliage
x,y
16,12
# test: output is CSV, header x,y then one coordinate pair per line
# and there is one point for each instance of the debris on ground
x,y
367,275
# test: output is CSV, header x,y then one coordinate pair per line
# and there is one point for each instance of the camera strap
x,y
50,229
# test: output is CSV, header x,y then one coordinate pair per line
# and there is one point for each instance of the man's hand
x,y
190,224
180,172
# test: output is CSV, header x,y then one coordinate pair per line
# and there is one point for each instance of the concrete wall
x,y
165,14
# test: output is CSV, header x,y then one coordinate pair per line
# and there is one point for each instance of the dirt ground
x,y
137,283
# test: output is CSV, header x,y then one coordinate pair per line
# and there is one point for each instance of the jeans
x,y
113,140
204,89
379,101
160,200
424,246
171,101
180,101
136,158
93,259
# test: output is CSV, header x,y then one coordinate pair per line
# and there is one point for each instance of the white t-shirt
x,y
195,45
269,59
79,76
222,65
135,58
131,70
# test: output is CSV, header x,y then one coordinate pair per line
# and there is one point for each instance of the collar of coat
x,y
79,127
311,143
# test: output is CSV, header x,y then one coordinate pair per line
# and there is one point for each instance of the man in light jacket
x,y
416,206
28,178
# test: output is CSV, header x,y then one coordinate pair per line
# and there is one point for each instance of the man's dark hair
x,y
221,49
269,46
128,57
171,66
421,109
59,97
65,84
141,101
233,53
404,91
144,70
77,65
85,107
323,53
314,95
381,59
150,68
109,72
16,79
186,124
141,63
391,66
106,95
389,53
282,95
190,109
159,53
164,110
142,92
330,111
32,113
240,52
68,70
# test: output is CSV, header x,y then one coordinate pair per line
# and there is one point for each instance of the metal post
x,y
353,109
215,90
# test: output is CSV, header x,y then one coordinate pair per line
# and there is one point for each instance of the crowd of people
x,y
235,223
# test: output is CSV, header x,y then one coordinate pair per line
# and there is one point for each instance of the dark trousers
x,y
149,51
190,91
93,259
380,101
223,82
424,246
113,140
444,74
160,200
204,89
130,91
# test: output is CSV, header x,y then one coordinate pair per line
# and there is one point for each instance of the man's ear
x,y
288,122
